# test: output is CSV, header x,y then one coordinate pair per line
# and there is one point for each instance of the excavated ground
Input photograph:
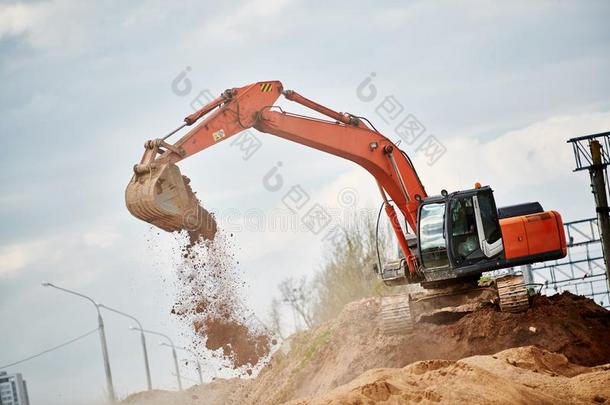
x,y
525,375
348,360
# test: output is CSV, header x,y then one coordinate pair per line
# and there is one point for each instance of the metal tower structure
x,y
591,152
582,271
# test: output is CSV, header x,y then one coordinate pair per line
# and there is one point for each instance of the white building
x,y
13,390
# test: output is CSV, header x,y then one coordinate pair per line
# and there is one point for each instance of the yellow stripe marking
x,y
266,87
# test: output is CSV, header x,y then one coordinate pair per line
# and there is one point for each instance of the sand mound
x,y
478,380
216,392
316,361
558,340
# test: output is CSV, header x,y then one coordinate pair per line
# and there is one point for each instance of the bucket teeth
x,y
162,197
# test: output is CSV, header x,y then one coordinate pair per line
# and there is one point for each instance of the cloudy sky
x,y
84,84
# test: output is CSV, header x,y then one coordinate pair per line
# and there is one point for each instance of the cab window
x,y
433,245
464,235
489,216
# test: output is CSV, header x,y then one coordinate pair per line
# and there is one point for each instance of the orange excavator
x,y
454,237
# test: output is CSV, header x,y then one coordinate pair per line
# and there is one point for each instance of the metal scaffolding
x,y
591,152
582,150
582,271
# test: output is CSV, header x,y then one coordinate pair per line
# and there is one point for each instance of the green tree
x,y
348,270
347,273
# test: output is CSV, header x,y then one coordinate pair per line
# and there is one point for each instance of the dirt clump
x,y
235,339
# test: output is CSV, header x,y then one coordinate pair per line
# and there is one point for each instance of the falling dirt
x,y
561,341
199,222
209,304
235,339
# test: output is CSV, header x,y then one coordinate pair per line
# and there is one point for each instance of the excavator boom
x,y
157,195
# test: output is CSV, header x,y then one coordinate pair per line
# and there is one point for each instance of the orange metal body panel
x,y
533,234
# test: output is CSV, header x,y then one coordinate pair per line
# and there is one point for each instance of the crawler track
x,y
513,294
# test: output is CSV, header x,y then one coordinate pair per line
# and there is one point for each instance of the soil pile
x,y
348,360
214,393
314,362
524,375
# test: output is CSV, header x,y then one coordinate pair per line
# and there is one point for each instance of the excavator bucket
x,y
160,195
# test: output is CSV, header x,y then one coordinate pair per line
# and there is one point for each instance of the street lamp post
x,y
100,323
194,356
173,350
142,339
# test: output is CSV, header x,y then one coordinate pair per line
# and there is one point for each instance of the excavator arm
x,y
157,194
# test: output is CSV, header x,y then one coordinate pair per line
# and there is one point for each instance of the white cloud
x,y
63,252
101,238
13,199
20,257
531,156
483,10
252,17
15,19
48,24
14,258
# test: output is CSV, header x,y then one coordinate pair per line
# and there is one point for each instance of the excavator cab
x,y
462,235
459,234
